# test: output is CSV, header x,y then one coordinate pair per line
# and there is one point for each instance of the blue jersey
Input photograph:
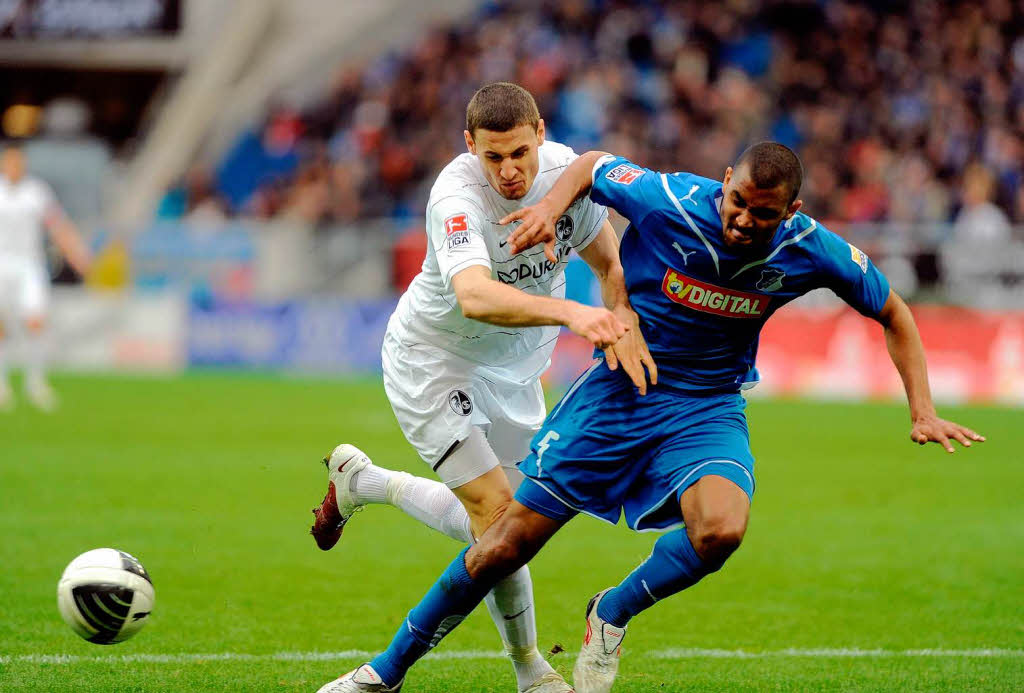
x,y
701,304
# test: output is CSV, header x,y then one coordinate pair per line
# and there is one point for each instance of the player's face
x,y
509,159
750,215
12,165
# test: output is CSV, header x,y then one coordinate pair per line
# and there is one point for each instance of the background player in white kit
x,y
27,205
467,344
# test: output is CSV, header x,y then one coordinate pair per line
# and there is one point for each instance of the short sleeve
x,y
629,189
850,273
49,208
456,234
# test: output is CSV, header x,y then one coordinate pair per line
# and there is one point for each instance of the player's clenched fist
x,y
599,326
537,226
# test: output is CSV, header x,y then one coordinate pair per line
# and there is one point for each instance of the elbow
x,y
472,307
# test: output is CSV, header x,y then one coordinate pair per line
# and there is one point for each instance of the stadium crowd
x,y
901,111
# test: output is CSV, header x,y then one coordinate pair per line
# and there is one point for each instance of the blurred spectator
x,y
887,103
195,199
979,220
261,158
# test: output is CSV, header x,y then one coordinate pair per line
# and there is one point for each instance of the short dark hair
x,y
501,106
772,164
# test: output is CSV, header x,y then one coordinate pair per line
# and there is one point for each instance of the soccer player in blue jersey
x,y
706,264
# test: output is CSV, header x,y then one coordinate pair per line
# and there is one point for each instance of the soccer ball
x,y
105,595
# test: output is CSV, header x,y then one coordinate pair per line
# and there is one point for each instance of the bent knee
x,y
497,555
718,537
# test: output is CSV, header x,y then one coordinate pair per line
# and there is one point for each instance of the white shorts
x,y
24,289
438,397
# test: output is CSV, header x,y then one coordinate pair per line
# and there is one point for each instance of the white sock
x,y
430,502
35,359
3,363
513,597
370,485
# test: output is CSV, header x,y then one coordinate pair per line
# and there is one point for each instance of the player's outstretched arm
x,y
602,255
484,299
68,240
907,353
538,221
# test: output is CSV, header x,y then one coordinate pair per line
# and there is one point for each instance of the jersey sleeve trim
x,y
599,164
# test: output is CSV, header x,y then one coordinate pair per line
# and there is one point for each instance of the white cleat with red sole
x,y
338,505
598,661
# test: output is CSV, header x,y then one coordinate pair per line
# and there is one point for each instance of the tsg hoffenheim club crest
x,y
771,280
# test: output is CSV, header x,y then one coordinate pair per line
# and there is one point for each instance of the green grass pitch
x,y
870,563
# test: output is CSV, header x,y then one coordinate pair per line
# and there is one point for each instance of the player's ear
x,y
794,208
540,131
470,144
728,175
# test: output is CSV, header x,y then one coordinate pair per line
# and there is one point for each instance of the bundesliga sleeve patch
x,y
624,174
858,257
456,228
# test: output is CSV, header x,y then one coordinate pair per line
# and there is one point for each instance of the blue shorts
x,y
605,450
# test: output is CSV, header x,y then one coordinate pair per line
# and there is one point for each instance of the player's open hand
x,y
632,353
932,428
599,326
537,225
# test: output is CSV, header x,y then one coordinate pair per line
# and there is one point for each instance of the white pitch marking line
x,y
679,653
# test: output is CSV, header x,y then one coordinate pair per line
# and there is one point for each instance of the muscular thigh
x,y
431,393
706,437
515,414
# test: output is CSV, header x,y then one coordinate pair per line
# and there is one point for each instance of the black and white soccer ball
x,y
105,595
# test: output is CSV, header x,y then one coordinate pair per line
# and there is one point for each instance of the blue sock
x,y
449,601
672,567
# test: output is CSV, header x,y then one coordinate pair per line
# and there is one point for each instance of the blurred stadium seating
x,y
256,154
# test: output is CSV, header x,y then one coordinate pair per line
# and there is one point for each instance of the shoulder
x,y
35,192
826,247
462,174
555,155
683,184
687,178
38,187
459,182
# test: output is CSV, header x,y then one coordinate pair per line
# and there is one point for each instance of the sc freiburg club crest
x,y
564,228
460,403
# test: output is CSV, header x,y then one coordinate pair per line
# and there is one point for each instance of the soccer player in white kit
x,y
467,344
27,205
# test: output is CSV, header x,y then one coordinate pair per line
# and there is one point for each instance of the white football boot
x,y
598,661
550,683
338,505
361,680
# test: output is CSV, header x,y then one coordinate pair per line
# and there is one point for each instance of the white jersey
x,y
24,207
463,230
